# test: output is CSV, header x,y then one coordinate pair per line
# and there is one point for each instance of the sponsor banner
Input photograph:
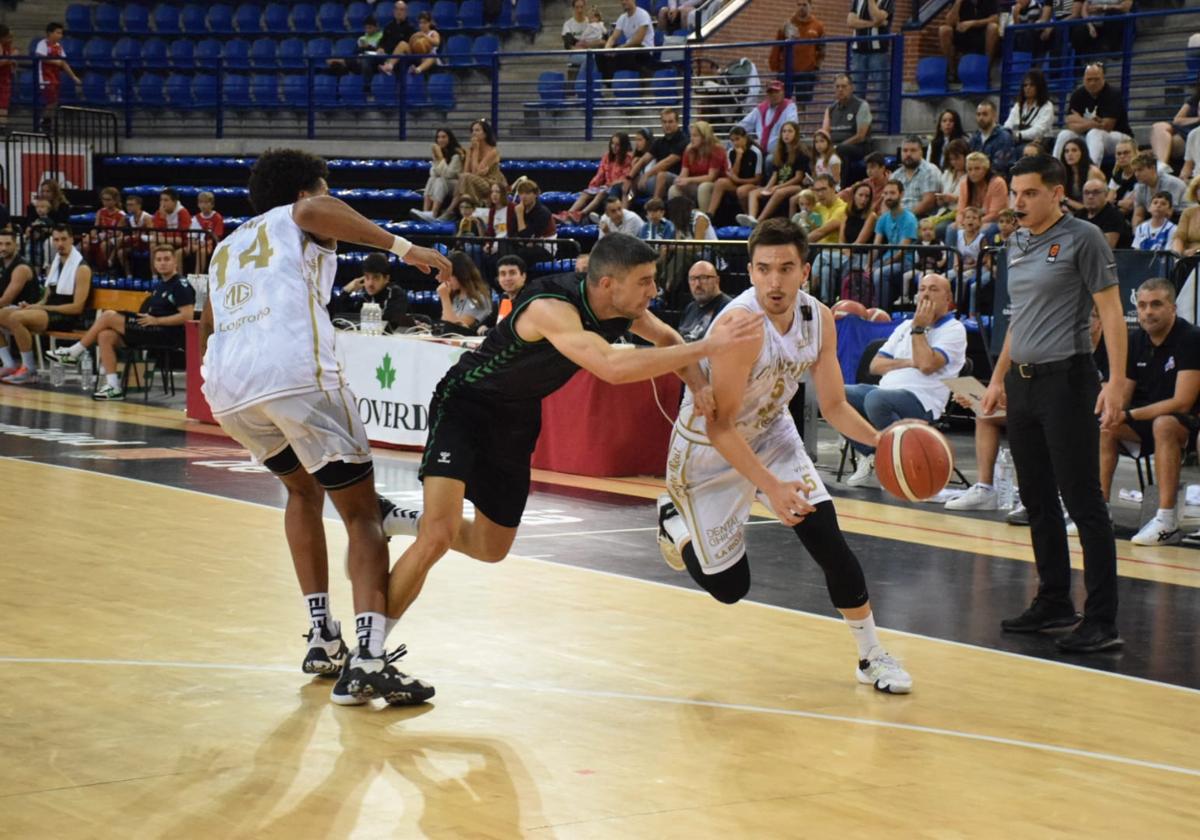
x,y
393,380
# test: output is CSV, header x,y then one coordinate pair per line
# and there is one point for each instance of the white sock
x,y
863,630
318,609
677,530
402,522
370,628
387,627
113,380
77,349
29,359
1168,518
6,357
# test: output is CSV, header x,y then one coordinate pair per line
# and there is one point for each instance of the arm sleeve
x,y
894,341
952,343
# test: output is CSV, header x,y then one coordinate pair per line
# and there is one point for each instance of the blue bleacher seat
x,y
416,92
79,18
441,91
1022,63
318,49
73,47
121,86
262,54
345,47
204,90
247,19
552,89
931,76
220,19
383,12
350,90
154,53
627,87
973,73
24,85
445,15
358,12
291,54
178,90
383,89
504,22
331,18
135,19
275,19
264,90
208,53
127,49
166,22
150,90
193,20
236,90
529,15
68,93
666,88
304,18
456,50
181,53
295,91
95,87
236,54
106,19
325,91
470,15
484,48
98,52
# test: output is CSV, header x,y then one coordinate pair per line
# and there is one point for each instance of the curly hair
x,y
280,175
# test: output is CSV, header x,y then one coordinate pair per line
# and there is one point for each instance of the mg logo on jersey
x,y
237,295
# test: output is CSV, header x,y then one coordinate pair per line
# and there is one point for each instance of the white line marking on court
x,y
651,698
674,588
614,531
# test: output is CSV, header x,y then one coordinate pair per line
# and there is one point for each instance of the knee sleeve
x,y
821,536
728,586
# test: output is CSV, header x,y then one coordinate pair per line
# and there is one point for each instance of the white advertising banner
x,y
393,378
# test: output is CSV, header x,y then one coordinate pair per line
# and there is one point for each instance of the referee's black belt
x,y
1031,370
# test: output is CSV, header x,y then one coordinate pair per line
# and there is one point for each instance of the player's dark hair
x,y
513,260
1165,196
170,192
1046,167
62,227
1158,284
779,231
280,175
377,263
53,26
616,255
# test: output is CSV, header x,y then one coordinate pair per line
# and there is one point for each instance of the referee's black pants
x,y
1055,443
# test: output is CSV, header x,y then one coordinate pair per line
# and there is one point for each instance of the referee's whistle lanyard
x,y
1023,238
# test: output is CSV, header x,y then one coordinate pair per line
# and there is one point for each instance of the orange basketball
x,y
914,461
420,43
877,314
848,307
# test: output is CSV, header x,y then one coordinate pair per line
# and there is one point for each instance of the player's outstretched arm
x,y
326,217
650,327
831,389
558,323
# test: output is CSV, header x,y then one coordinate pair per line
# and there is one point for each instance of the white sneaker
x,y
326,650
424,215
63,355
978,497
885,673
864,473
108,392
1155,532
1018,515
666,546
746,220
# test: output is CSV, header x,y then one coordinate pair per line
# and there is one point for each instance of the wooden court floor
x,y
149,687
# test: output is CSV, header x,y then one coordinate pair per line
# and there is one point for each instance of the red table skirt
x,y
197,406
592,428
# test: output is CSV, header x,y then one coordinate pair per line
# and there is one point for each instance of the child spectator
x,y
425,41
136,242
806,215
745,171
791,171
499,217
103,241
367,46
172,216
931,258
825,159
611,179
657,225
211,222
968,241
52,64
37,235
469,224
1155,233
60,208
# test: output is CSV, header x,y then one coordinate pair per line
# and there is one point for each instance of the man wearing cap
x,y
768,116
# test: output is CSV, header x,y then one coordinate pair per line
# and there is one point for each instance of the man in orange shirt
x,y
806,58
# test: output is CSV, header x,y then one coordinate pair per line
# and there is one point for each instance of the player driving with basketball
x,y
716,468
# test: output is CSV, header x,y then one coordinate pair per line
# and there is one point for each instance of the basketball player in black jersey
x,y
17,285
486,412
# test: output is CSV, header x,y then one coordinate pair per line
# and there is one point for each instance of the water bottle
x,y
1004,479
87,373
58,374
371,319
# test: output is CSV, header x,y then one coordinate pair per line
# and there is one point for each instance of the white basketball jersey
x,y
269,283
777,371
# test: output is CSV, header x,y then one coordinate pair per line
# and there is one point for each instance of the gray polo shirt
x,y
1051,280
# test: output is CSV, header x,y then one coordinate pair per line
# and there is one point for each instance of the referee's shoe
x,y
1042,615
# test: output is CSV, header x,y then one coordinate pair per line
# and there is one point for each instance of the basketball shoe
x,y
62,355
666,546
864,473
883,671
978,497
365,676
326,650
22,376
1157,532
398,521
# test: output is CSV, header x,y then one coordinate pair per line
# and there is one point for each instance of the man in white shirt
x,y
767,117
579,33
637,27
918,355
617,219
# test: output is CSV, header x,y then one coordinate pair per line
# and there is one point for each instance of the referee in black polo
x,y
1058,266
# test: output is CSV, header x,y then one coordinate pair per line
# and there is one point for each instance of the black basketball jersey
x,y
507,368
31,293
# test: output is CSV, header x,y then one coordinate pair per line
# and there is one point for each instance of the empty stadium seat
x,y
106,19
275,19
383,12
247,19
345,47
317,50
350,90
127,49
470,15
325,91
416,92
236,91
181,53
98,52
291,54
484,48
529,15
504,22
154,53
552,89
166,21
456,50
204,90
973,73
441,91
445,15
193,19
150,90
79,18
304,18
264,90
73,47
236,54
330,18
666,88
295,91
358,12
95,87
262,54
178,90
220,19
208,54
383,89
931,76
627,87
135,19
1022,63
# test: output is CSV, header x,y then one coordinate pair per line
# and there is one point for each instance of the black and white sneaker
x,y
365,676
666,546
326,650
398,521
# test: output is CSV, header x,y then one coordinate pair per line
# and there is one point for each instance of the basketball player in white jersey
x,y
274,384
716,468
